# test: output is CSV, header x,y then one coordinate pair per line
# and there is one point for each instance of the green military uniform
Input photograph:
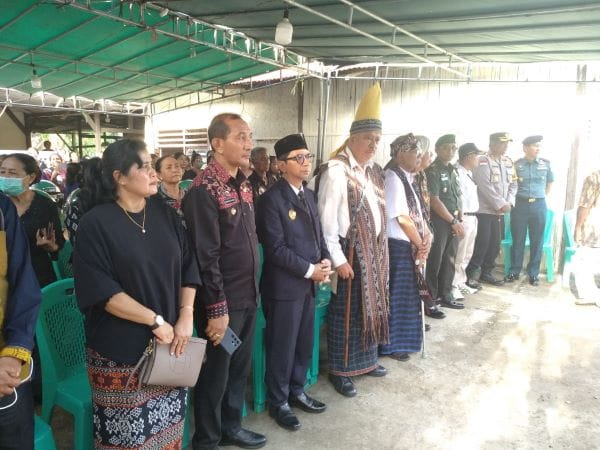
x,y
442,182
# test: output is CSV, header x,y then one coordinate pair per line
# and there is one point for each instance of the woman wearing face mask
x,y
38,213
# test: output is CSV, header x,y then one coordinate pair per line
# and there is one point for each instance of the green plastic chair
x,y
569,219
259,357
46,186
185,184
43,193
43,438
60,338
547,244
323,297
62,266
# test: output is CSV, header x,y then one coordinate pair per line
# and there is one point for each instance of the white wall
x,y
272,113
11,137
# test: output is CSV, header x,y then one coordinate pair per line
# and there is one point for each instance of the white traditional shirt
x,y
396,203
468,188
333,204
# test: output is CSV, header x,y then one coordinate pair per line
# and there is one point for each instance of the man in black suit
x,y
295,257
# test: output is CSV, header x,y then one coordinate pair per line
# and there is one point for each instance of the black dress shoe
x,y
243,439
473,284
284,416
308,404
449,302
534,281
490,279
400,356
343,385
511,277
434,313
378,371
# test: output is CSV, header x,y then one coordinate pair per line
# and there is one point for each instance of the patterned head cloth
x,y
403,144
368,113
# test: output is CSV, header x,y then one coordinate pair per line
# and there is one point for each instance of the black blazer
x,y
284,229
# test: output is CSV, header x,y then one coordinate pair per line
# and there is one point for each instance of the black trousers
x,y
487,244
289,342
219,393
16,422
440,262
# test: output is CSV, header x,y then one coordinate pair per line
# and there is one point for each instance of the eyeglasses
x,y
300,158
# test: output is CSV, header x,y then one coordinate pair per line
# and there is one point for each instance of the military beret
x,y
530,140
502,136
289,144
446,139
468,149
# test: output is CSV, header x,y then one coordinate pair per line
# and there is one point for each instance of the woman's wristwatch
x,y
158,321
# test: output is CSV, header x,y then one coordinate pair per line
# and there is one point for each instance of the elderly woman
x,y
169,173
38,213
135,279
409,241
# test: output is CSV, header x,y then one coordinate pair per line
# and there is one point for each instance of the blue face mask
x,y
11,186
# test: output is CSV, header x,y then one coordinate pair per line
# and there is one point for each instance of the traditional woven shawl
x,y
413,211
371,251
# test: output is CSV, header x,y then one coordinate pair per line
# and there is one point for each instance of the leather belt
x,y
530,199
469,214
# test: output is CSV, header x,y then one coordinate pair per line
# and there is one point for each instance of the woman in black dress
x,y
135,279
38,213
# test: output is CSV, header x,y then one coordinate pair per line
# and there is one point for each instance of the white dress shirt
x,y
333,204
468,188
396,203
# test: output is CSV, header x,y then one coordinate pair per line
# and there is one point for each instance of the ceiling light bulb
x,y
284,30
163,12
36,82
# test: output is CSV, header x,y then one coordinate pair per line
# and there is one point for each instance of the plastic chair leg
x,y
506,251
186,422
549,265
84,435
258,370
43,438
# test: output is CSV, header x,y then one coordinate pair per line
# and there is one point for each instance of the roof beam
x,y
376,39
256,50
18,17
101,67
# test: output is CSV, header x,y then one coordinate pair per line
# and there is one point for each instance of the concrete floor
x,y
518,368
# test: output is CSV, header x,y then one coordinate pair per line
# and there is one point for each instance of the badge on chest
x,y
292,214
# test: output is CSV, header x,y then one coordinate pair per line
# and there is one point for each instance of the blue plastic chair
x,y
547,244
60,338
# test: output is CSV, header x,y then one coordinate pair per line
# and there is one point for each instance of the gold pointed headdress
x,y
368,113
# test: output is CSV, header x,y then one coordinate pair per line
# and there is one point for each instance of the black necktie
x,y
312,224
303,201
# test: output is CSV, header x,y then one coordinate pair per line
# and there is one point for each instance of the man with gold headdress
x,y
353,217
20,299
